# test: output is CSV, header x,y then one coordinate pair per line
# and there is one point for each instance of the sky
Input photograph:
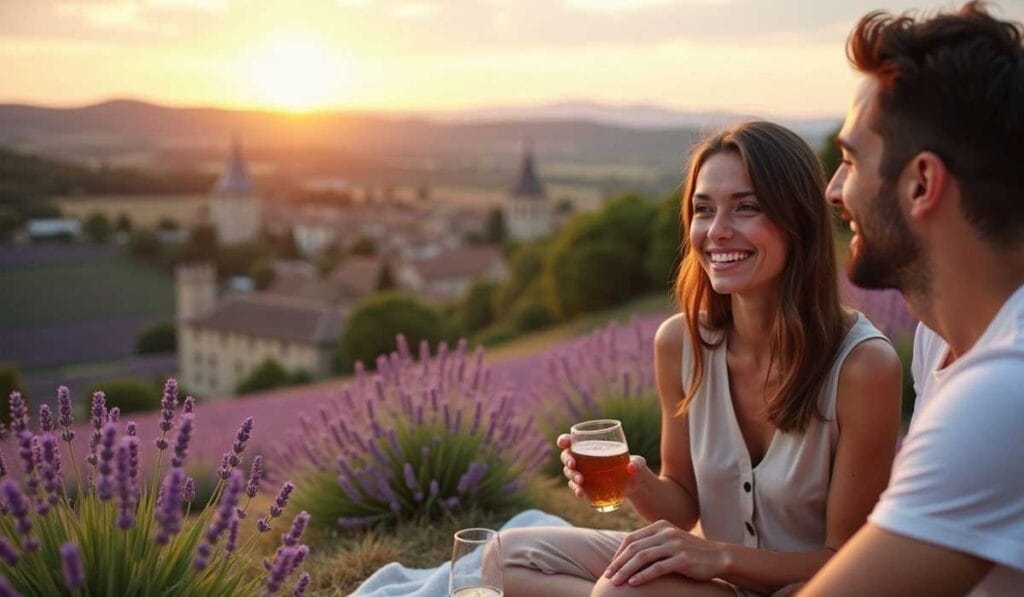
x,y
780,58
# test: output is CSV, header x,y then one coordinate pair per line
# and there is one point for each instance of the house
x,y
221,342
447,275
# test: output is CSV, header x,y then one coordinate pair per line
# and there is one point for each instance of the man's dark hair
x,y
952,84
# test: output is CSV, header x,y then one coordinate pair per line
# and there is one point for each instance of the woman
x,y
779,436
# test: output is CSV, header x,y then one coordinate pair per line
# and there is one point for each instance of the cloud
x,y
414,10
622,6
354,3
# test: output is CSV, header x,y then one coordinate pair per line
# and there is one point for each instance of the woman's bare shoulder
x,y
671,334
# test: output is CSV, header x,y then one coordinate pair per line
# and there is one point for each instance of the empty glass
x,y
476,564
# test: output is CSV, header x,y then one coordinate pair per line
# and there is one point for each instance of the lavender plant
x,y
606,375
419,438
122,535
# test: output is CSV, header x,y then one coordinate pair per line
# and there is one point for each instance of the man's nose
x,y
834,190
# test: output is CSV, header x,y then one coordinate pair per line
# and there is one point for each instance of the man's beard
x,y
888,254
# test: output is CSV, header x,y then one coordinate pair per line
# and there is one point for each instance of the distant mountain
x,y
473,147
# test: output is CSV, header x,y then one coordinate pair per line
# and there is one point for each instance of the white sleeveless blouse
x,y
780,503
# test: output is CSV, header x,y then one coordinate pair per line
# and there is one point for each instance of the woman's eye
x,y
702,209
749,207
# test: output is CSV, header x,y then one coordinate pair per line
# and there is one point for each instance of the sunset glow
x,y
296,74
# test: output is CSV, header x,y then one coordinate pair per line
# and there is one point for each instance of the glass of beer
x,y
476,564
601,454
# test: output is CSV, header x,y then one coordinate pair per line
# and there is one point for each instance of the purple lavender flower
x,y
8,554
105,481
189,405
64,418
6,590
114,415
224,472
189,492
50,468
168,404
130,428
168,508
18,506
221,520
45,418
19,413
284,563
184,436
300,587
281,502
255,474
99,417
244,433
293,535
126,489
232,535
71,564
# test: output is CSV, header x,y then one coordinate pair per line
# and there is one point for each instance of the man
x,y
932,183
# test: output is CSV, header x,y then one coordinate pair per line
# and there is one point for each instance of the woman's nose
x,y
721,226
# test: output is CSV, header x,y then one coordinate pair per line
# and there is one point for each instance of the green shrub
x,y
663,254
10,381
128,394
159,337
525,268
267,376
592,276
129,535
97,228
609,375
417,441
532,314
477,308
378,319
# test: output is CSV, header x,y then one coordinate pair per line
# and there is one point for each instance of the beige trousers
x,y
585,553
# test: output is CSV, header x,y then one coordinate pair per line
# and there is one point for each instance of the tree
x,y
532,314
10,221
386,279
10,381
130,394
144,244
376,322
97,228
159,337
124,223
262,273
269,375
495,230
662,259
592,276
365,246
525,268
477,308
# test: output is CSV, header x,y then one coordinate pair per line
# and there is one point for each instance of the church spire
x,y
528,185
235,180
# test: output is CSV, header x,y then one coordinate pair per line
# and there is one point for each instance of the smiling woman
x,y
295,73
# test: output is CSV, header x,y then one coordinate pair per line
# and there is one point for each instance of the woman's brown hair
x,y
789,184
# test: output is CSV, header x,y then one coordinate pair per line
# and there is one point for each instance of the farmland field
x,y
59,293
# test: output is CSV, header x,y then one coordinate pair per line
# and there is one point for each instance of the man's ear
x,y
924,183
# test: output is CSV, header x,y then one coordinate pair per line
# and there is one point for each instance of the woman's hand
x,y
637,465
663,548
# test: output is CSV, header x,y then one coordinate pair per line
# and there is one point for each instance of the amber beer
x,y
601,454
603,466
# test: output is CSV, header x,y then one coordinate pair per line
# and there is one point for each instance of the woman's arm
x,y
672,494
868,407
868,414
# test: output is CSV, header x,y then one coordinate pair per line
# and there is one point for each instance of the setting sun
x,y
296,73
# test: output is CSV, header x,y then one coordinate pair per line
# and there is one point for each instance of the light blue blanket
x,y
395,579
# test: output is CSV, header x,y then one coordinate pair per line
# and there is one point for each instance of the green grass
x,y
533,342
69,293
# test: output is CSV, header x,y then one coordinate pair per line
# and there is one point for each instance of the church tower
x,y
234,205
528,212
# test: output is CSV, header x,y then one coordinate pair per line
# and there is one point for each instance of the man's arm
x,y
879,563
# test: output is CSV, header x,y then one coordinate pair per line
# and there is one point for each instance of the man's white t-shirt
x,y
958,480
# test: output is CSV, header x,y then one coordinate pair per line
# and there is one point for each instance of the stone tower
x,y
528,212
235,209
196,287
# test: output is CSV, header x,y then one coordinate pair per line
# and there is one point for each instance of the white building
x,y
235,209
529,213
